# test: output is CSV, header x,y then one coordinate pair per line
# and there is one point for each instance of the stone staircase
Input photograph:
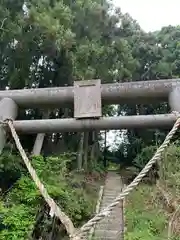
x,y
112,227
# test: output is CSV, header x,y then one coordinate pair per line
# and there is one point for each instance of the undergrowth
x,y
145,219
24,213
152,213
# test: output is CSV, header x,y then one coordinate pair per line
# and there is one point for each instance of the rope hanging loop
x,y
55,210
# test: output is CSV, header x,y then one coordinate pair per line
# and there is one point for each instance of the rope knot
x,y
5,121
176,113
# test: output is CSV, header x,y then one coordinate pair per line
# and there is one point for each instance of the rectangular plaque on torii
x,y
87,99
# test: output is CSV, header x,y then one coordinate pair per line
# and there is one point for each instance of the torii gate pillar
x,y
8,110
174,100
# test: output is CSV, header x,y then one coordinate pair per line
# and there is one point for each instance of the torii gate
x,y
87,96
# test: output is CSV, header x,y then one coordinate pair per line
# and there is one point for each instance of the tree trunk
x,y
105,150
86,145
94,148
92,154
80,152
97,151
39,139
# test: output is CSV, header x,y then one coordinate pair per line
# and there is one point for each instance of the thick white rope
x,y
55,210
157,156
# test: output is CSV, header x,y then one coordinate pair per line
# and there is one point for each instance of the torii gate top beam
x,y
141,91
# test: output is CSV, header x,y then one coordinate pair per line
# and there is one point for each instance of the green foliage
x,y
10,169
144,156
146,215
157,58
96,167
170,170
113,166
21,203
18,221
169,173
144,219
54,43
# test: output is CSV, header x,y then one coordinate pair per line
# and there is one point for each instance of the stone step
x,y
103,238
107,202
109,228
109,197
107,234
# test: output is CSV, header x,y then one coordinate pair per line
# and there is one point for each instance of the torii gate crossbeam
x,y
105,123
140,92
120,93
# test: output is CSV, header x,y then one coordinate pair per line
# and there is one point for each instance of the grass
x,y
113,167
145,217
149,211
